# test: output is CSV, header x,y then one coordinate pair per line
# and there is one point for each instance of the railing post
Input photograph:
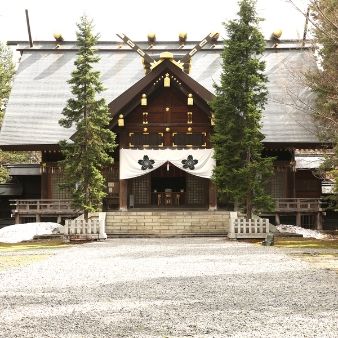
x,y
89,227
231,233
267,225
102,230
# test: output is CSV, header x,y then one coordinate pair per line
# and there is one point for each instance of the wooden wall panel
x,y
307,185
197,191
167,113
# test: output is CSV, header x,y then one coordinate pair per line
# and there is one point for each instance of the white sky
x,y
136,18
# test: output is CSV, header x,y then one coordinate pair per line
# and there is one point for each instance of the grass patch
x,y
13,261
18,254
33,245
309,243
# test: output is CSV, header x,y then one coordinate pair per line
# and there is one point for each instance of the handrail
x,y
298,204
41,205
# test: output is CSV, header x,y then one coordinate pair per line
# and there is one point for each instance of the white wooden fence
x,y
248,228
78,228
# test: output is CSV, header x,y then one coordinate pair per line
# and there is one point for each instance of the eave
x,y
30,147
128,100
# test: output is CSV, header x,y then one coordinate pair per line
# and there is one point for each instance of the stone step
x,y
167,223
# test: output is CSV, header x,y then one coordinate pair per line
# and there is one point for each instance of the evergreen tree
x,y
92,142
7,70
241,171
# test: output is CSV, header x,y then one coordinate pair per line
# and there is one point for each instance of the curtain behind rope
x,y
134,163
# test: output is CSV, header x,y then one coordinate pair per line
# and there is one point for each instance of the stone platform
x,y
158,223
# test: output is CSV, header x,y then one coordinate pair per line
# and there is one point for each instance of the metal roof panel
x,y
40,91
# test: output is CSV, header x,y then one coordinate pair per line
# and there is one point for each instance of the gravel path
x,y
187,287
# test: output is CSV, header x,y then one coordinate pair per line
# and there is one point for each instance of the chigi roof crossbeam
x,y
184,62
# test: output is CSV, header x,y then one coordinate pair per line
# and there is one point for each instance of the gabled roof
x,y
125,101
40,89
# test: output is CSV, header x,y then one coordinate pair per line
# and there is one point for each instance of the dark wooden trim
x,y
298,145
212,196
30,147
123,195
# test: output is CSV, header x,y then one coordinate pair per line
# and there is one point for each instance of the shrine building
x,y
158,94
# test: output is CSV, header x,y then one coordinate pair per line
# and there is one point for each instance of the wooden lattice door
x,y
141,190
196,191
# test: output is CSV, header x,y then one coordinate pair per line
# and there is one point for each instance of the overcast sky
x,y
136,18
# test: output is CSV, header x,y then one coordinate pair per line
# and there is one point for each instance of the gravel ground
x,y
186,287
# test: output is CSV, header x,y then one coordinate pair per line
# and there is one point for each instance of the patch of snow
x,y
308,233
26,231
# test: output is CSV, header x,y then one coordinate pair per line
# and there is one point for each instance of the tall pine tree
x,y
89,151
241,171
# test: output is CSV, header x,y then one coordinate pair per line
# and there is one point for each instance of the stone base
x,y
167,223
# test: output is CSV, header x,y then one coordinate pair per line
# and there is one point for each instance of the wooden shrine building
x,y
158,95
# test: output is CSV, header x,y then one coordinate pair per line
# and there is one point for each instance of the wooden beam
x,y
212,196
123,195
29,29
136,48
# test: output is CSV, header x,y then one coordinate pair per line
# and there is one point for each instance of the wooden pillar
x,y
44,185
123,195
37,218
298,219
212,196
277,219
293,173
17,218
293,183
319,224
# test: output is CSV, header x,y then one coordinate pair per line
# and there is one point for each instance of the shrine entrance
x,y
169,187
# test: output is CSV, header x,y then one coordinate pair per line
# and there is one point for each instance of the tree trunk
x,y
249,206
85,215
249,193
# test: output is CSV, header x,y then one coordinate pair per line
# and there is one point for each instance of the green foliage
x,y
92,142
7,70
324,81
241,172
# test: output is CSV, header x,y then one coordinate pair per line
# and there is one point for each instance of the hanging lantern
x,y
120,121
190,100
166,82
43,168
212,120
145,118
189,117
144,100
